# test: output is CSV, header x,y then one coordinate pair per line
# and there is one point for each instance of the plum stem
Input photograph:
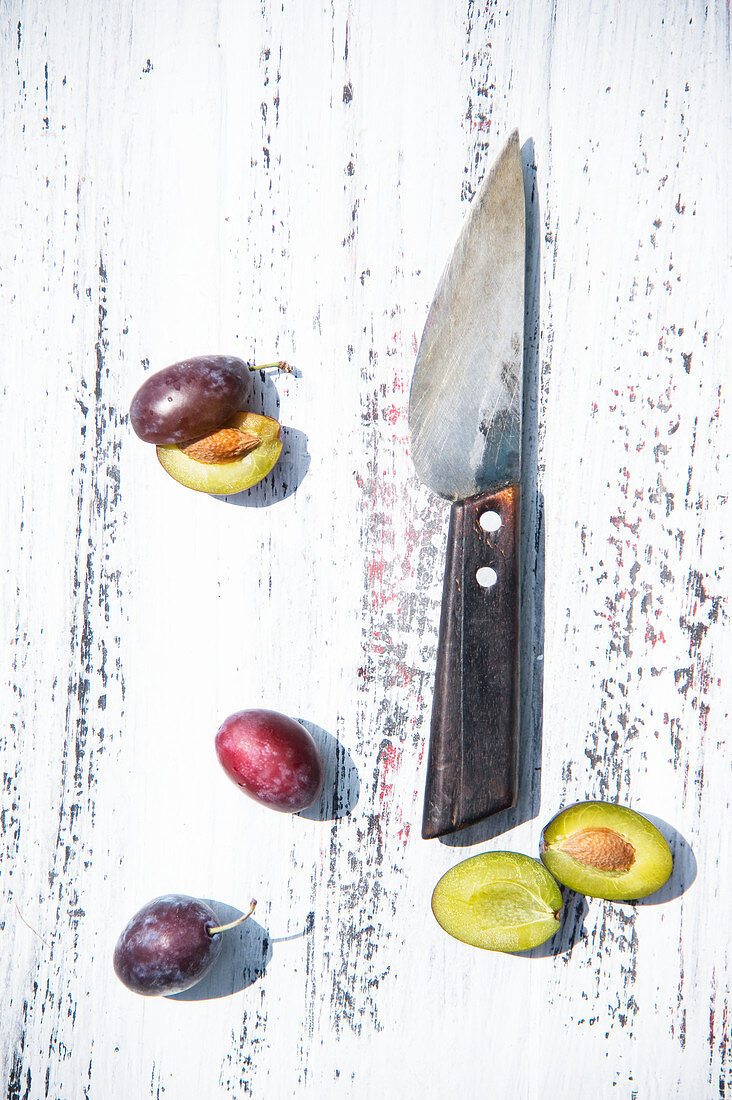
x,y
233,924
280,364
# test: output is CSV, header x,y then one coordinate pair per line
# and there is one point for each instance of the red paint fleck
x,y
723,1044
481,122
402,675
376,570
654,637
391,757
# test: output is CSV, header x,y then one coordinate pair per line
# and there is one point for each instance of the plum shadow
x,y
341,783
684,869
245,953
576,906
305,931
293,463
532,552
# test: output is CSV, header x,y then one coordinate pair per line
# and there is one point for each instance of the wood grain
x,y
473,748
286,180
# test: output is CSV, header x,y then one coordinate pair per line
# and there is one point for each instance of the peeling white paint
x,y
283,180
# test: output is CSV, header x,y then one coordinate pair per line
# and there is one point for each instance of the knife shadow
x,y
532,556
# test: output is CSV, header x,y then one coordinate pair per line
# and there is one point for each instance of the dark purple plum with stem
x,y
169,945
190,399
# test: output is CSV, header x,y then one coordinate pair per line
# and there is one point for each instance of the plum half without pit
x,y
195,413
500,901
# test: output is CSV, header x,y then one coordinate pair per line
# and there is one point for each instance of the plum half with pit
x,y
500,901
262,445
605,850
169,945
196,414
272,758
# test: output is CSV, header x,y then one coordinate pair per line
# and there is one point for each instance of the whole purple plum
x,y
272,758
168,946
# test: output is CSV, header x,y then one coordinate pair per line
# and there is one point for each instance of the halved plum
x,y
500,901
230,475
606,851
190,399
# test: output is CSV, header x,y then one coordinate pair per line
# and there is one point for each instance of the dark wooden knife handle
x,y
471,771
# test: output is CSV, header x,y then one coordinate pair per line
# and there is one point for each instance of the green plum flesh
x,y
233,475
500,901
606,851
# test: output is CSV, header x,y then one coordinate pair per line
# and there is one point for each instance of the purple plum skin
x,y
166,947
190,399
272,758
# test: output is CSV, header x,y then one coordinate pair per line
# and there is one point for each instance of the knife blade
x,y
465,432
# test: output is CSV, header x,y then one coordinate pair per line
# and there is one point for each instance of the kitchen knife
x,y
465,429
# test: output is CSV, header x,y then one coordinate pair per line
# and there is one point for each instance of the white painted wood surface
x,y
287,179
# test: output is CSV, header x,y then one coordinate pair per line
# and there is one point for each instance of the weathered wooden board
x,y
286,180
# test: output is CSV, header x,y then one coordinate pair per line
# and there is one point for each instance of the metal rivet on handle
x,y
490,521
486,577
